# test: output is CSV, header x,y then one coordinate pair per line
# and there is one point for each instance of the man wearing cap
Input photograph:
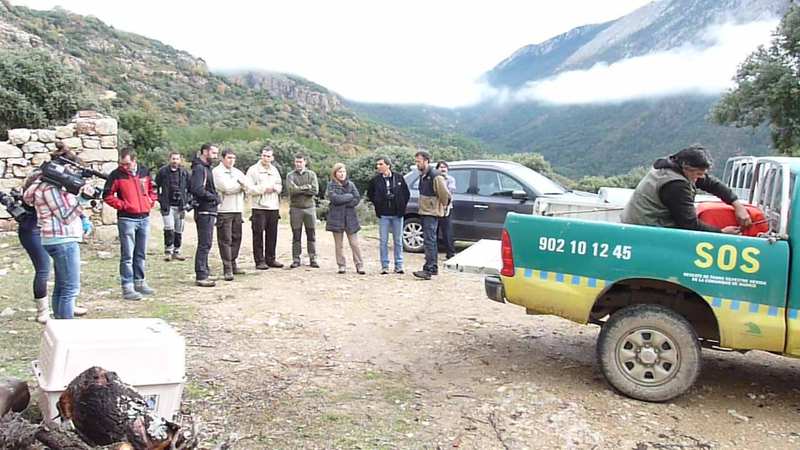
x,y
665,196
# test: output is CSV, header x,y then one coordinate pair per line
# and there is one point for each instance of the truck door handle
x,y
481,206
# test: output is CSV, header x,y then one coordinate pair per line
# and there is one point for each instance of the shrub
x,y
36,90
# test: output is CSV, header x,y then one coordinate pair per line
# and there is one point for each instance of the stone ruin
x,y
91,135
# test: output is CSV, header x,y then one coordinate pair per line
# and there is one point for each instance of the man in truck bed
x,y
665,196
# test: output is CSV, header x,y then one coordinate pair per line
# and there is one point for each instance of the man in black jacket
x,y
665,196
388,192
206,200
172,184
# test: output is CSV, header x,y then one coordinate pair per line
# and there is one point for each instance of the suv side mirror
x,y
519,195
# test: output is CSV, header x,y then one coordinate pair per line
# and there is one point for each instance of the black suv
x,y
485,192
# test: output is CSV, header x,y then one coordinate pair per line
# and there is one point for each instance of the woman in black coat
x,y
342,218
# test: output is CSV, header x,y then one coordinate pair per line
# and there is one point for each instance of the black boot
x,y
176,253
177,241
169,242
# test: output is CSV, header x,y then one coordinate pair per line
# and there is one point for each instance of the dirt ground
x,y
308,358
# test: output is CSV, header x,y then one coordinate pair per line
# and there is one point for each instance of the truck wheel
x,y
412,235
649,352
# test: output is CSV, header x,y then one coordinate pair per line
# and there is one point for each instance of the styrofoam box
x,y
146,353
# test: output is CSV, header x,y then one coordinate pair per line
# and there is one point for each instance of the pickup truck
x,y
659,294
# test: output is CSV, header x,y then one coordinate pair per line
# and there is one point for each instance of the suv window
x,y
461,176
462,179
496,183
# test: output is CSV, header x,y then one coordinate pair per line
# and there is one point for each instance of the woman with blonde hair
x,y
342,218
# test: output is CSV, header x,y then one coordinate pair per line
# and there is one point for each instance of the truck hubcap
x,y
648,357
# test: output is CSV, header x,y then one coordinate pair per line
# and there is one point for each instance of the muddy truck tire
x,y
649,352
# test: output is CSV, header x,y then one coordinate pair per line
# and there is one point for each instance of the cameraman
x,y
172,183
205,197
62,228
129,190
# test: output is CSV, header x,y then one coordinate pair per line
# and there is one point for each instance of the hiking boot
x,y
129,293
422,274
262,266
205,283
141,287
275,264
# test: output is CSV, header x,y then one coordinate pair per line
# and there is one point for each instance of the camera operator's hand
x,y
87,225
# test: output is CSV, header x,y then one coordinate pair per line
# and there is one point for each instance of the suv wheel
x,y
412,235
649,352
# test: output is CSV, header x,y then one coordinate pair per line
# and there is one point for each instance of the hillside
x,y
610,138
123,70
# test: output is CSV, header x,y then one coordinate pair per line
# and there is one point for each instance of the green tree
x,y
147,135
768,88
628,180
36,90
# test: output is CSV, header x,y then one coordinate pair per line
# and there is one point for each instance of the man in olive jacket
x,y
665,196
433,199
302,186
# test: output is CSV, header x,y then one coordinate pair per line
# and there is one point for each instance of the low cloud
x,y
691,69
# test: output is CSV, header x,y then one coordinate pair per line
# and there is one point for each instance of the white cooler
x,y
146,353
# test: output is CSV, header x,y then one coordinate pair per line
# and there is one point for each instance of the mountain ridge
x,y
602,138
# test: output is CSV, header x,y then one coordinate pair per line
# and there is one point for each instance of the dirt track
x,y
307,358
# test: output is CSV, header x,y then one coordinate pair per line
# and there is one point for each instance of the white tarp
x,y
482,257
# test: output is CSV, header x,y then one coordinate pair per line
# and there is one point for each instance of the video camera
x,y
70,176
13,204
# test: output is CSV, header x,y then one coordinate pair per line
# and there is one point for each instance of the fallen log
x,y
104,410
14,395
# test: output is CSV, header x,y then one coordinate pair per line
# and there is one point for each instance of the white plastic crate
x,y
146,353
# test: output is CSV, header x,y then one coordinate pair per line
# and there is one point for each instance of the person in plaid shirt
x,y
63,225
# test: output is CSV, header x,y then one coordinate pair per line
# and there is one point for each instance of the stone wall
x,y
91,135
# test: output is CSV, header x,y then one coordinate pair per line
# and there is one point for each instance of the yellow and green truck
x,y
659,294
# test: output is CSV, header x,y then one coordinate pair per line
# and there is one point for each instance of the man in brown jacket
x,y
433,199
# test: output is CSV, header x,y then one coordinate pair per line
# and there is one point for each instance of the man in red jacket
x,y
129,190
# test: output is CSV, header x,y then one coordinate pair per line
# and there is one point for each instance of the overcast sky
x,y
414,51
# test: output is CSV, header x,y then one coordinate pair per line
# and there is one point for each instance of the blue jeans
x,y
67,267
31,240
133,242
393,224
430,225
